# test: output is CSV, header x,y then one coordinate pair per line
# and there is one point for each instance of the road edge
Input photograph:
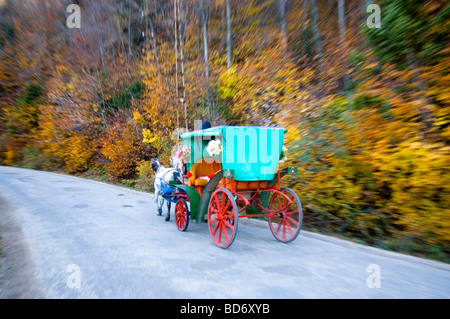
x,y
360,247
16,276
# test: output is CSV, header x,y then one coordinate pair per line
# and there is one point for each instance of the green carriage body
x,y
250,153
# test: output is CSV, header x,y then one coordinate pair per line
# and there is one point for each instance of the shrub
x,y
33,158
123,151
77,154
145,176
367,175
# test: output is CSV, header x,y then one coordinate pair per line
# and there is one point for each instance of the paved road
x,y
66,237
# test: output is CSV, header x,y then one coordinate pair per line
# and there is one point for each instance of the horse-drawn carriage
x,y
231,172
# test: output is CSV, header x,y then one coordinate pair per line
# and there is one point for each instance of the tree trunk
x,y
129,28
229,49
342,37
305,26
155,49
205,41
284,38
317,38
199,36
341,16
205,51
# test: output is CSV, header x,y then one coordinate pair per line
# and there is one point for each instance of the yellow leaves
x,y
123,150
416,174
152,139
292,135
359,160
371,66
11,157
74,150
158,107
145,176
95,106
61,68
148,136
77,153
137,117
229,82
69,87
264,84
446,133
443,97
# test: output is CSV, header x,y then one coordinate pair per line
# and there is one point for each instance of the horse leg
x,y
158,202
168,210
159,207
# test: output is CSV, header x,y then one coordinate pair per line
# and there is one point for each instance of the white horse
x,y
176,163
165,175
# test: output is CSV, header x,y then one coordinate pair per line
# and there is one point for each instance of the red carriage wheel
x,y
286,223
222,217
181,214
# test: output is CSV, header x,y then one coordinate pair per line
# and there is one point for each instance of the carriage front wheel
x,y
181,214
222,217
286,223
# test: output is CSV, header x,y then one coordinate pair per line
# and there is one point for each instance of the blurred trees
x,y
367,109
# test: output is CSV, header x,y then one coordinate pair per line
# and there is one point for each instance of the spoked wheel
x,y
287,222
222,217
181,214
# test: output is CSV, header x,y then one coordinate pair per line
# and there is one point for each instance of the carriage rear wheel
x,y
181,214
287,222
222,217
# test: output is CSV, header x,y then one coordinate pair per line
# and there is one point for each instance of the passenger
x,y
206,125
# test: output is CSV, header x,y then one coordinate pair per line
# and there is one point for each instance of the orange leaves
x,y
122,150
72,149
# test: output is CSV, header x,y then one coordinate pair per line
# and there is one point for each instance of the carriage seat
x,y
201,172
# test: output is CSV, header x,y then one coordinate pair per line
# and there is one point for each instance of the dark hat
x,y
206,125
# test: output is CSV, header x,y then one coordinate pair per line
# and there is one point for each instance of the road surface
x,y
67,237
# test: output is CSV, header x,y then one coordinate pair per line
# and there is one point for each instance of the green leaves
x,y
123,98
411,34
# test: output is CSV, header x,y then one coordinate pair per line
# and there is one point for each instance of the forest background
x,y
367,106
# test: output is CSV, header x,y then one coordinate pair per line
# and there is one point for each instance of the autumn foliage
x,y
367,109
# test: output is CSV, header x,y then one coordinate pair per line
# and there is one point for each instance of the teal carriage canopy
x,y
251,153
